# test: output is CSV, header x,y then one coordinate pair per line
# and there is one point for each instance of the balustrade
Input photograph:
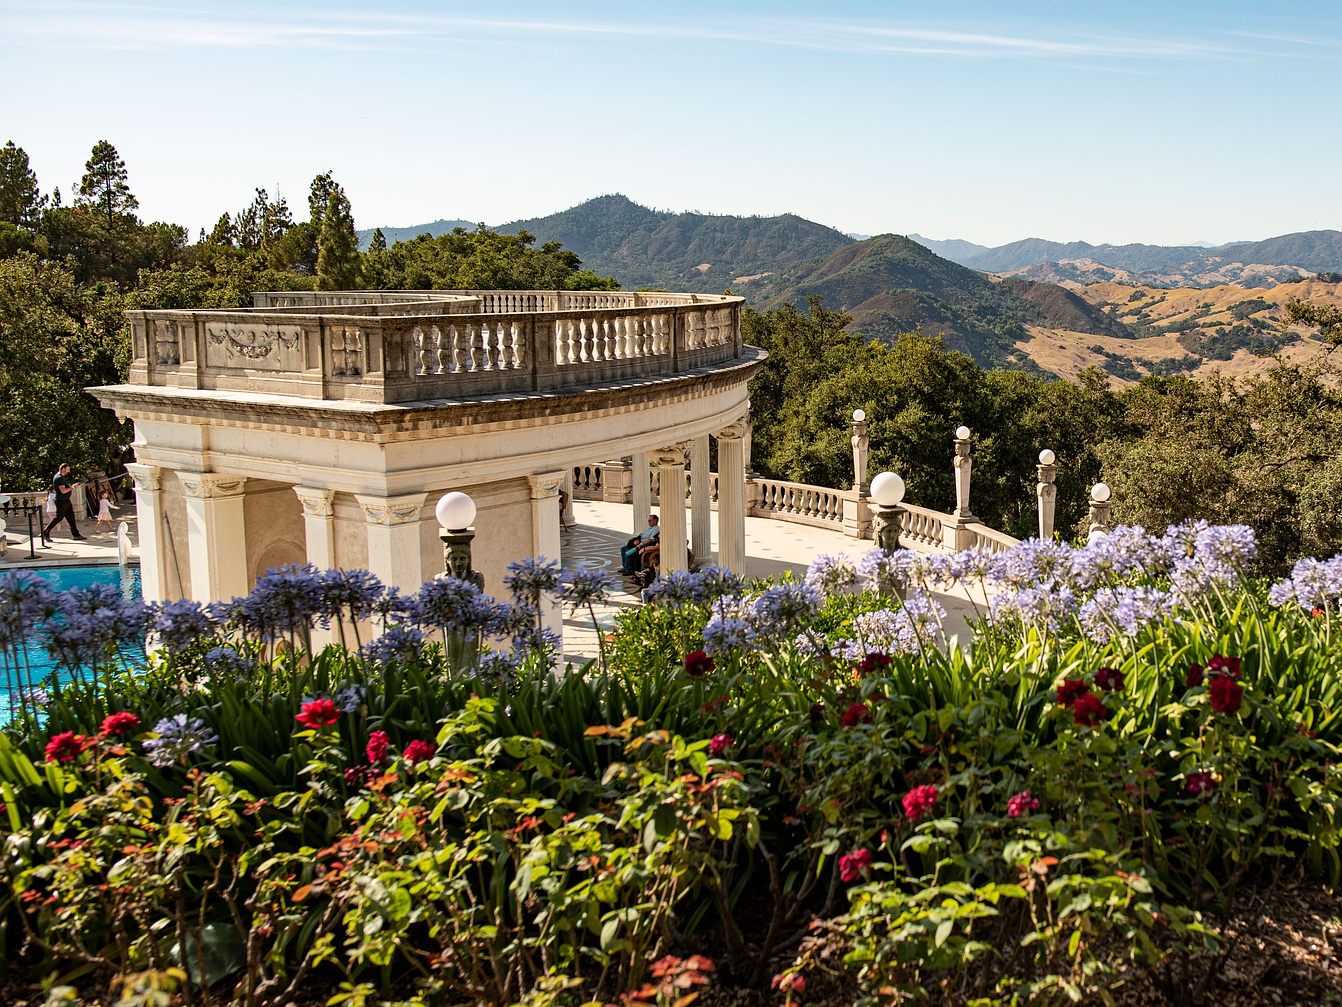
x,y
588,482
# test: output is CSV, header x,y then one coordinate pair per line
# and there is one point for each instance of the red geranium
x,y
1021,804
419,750
376,748
318,713
1109,679
1222,665
1200,784
919,801
875,661
856,714
718,744
1225,694
1088,711
1195,676
698,664
66,746
851,865
1070,689
118,724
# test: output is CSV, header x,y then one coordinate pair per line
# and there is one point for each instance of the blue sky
x,y
1161,122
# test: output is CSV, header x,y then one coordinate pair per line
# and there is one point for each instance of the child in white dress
x,y
105,508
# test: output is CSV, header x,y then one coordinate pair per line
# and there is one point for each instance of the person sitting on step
x,y
631,553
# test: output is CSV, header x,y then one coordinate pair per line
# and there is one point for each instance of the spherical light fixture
x,y
1047,457
859,415
455,511
1099,493
887,489
962,433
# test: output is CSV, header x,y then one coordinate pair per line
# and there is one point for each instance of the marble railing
x,y
795,502
921,528
405,346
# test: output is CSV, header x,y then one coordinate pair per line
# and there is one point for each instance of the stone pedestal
x,y
857,516
215,533
732,498
395,553
617,482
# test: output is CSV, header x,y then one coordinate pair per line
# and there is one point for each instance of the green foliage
x,y
337,246
105,185
20,200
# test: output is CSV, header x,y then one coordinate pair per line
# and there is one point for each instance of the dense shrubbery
x,y
803,773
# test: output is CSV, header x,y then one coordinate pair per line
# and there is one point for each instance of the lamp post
x,y
1100,511
963,465
455,512
1047,493
887,490
860,444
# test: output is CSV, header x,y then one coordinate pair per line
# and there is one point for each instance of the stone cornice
x,y
383,423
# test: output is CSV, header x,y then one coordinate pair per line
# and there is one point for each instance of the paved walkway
x,y
772,547
97,547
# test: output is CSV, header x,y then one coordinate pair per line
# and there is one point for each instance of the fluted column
x,y
545,542
395,550
732,498
670,462
216,535
154,544
748,425
701,529
641,491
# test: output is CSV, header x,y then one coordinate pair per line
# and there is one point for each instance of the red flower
x,y
789,982
858,713
66,746
1195,676
1088,711
875,661
419,750
919,801
117,724
376,750
718,744
1021,804
851,865
318,713
1109,679
1070,689
1200,784
1225,694
1222,665
698,664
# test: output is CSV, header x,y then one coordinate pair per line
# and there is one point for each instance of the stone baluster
x,y
670,463
1047,493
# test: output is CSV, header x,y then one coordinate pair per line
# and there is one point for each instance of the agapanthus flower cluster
x,y
916,624
225,660
1033,563
25,600
453,605
1123,611
580,588
531,578
890,572
832,573
92,623
287,601
178,737
1313,584
971,567
1046,607
1120,554
182,624
348,698
1208,557
348,594
397,643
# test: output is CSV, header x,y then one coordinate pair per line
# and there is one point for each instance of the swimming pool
x,y
66,578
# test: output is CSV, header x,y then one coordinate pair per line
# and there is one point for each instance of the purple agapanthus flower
x,y
1123,611
530,578
178,737
1313,584
889,572
580,588
348,594
396,644
453,605
180,624
784,608
832,573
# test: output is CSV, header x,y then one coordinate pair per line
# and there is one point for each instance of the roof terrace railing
x,y
406,346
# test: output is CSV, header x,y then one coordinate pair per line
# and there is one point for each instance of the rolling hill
x,y
395,234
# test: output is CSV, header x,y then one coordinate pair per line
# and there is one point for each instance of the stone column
x,y
154,545
732,498
670,462
962,464
216,535
748,425
319,524
1047,493
641,491
859,440
701,504
545,537
395,552
567,518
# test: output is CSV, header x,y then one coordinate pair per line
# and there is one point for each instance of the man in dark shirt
x,y
63,486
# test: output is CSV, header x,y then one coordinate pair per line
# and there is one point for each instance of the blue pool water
x,y
65,578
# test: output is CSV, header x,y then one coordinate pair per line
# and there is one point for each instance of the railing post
x,y
617,484
1047,493
539,336
1101,512
677,338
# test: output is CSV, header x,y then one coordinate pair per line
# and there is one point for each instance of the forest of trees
x,y
1261,451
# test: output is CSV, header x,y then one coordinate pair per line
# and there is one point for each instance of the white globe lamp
x,y
455,511
859,415
1047,457
887,489
1100,493
962,433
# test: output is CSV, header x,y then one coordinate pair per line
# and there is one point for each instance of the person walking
x,y
105,508
63,486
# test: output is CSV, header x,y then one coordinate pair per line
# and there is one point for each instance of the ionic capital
x,y
673,454
211,485
396,510
545,484
732,432
316,502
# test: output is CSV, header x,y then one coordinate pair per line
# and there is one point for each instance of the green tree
x,y
1326,317
20,200
378,242
105,184
337,244
224,232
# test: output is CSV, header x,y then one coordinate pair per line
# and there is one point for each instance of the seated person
x,y
630,560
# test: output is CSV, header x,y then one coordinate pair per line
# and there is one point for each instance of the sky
x,y
1168,123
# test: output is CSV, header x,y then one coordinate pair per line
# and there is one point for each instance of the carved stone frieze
x,y
392,510
316,502
211,485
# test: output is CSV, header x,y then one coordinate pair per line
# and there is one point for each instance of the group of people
x,y
61,505
641,556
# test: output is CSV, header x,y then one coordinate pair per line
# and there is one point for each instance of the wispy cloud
x,y
141,26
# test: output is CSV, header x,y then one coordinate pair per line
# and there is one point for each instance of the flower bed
x,y
806,773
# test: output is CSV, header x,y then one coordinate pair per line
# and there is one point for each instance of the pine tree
x,y
337,245
104,184
378,242
20,201
224,232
